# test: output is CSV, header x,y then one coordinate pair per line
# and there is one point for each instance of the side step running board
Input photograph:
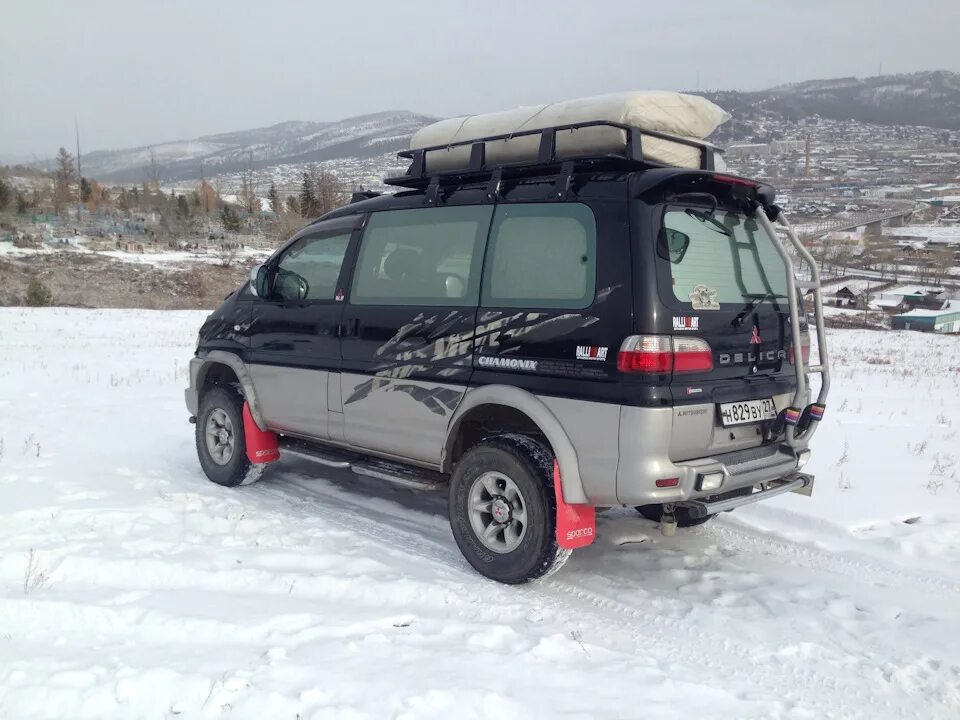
x,y
406,476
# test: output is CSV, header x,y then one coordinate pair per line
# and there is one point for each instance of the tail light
x,y
734,180
663,354
804,350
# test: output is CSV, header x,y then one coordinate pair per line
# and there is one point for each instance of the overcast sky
x,y
135,72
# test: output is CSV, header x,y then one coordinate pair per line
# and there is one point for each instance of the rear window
x,y
724,254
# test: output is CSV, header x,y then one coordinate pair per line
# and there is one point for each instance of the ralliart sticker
x,y
591,352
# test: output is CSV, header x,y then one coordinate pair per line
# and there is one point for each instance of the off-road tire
x,y
529,464
682,515
238,470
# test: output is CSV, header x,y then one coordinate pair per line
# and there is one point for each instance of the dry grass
x,y
90,280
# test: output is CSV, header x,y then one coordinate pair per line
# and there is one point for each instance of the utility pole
x,y
203,183
76,129
866,303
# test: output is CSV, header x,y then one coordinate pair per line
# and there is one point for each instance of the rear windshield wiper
x,y
751,307
708,218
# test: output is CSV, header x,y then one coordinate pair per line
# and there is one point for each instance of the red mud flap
x,y
262,446
576,524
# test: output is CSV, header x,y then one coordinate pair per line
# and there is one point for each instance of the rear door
x,y
721,279
407,334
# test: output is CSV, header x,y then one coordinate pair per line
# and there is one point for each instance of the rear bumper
x,y
798,482
645,441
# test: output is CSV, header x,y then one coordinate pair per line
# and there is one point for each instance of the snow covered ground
x,y
131,587
160,259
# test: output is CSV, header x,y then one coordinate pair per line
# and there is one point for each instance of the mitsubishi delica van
x,y
535,335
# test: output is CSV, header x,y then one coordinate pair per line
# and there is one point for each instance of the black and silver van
x,y
537,339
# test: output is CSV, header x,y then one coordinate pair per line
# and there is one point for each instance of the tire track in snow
x,y
612,620
751,540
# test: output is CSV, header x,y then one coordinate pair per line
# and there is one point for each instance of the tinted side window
x,y
422,257
541,255
309,268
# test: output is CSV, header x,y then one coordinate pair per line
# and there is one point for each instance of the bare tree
x,y
942,263
64,177
883,256
227,254
247,197
330,193
207,198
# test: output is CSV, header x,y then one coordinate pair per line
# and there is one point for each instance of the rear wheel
x,y
221,446
503,510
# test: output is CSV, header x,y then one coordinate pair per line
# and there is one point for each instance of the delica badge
x,y
704,298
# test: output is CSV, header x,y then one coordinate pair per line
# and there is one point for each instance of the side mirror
x,y
260,281
674,245
288,286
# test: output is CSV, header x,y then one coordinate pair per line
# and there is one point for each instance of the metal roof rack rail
x,y
418,176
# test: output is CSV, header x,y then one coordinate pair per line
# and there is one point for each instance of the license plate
x,y
747,411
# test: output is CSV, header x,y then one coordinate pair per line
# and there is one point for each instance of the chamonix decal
x,y
507,363
428,340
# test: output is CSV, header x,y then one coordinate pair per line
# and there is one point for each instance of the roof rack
x,y
418,176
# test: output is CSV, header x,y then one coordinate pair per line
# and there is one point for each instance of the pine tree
x,y
230,219
21,204
5,193
293,205
84,190
274,197
308,201
183,209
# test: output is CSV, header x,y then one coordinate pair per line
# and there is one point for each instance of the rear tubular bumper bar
x,y
807,415
798,482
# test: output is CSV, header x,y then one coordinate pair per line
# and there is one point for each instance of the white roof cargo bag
x,y
686,116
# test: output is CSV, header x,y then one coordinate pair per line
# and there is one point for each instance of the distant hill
x,y
289,142
924,98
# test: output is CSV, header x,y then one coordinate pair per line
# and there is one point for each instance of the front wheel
x,y
503,510
221,446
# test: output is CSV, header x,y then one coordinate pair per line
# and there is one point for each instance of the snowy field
x,y
160,259
131,587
